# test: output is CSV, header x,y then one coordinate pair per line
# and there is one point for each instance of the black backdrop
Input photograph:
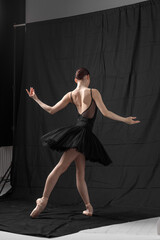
x,y
121,49
12,12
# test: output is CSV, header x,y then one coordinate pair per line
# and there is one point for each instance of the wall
x,y
39,10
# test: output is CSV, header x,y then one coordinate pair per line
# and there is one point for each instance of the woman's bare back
x,y
81,99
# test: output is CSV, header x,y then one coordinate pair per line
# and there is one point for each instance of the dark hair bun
x,y
80,73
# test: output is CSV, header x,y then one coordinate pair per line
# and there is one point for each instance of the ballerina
x,y
77,141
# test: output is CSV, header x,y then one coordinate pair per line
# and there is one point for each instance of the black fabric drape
x,y
121,49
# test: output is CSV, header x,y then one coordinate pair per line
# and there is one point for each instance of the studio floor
x,y
142,229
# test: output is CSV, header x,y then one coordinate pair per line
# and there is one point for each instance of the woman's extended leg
x,y
66,159
81,183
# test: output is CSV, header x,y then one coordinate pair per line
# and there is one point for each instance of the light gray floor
x,y
142,229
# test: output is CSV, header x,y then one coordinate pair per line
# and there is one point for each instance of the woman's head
x,y
82,75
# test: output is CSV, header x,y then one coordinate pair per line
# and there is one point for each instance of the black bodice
x,y
87,118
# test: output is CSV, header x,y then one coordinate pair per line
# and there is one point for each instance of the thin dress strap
x,y
91,93
71,97
91,110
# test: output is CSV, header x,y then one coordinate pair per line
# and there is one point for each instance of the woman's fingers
x,y
31,93
27,91
137,121
32,90
133,121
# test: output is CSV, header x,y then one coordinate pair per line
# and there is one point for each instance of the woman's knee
x,y
61,167
66,159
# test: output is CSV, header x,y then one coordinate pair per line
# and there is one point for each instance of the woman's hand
x,y
130,121
32,93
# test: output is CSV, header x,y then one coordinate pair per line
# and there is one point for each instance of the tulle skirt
x,y
79,137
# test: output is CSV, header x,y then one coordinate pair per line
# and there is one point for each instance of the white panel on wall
x,y
5,159
40,10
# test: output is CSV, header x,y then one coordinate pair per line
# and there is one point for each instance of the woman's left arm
x,y
50,109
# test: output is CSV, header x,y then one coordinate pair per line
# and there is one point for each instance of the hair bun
x,y
81,72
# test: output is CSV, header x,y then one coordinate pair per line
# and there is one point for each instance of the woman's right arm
x,y
100,104
50,109
33,95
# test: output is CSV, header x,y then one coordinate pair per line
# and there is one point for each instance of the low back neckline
x,y
87,107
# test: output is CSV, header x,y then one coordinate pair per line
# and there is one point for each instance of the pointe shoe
x,y
89,210
41,204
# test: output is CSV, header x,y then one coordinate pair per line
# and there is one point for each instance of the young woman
x,y
78,141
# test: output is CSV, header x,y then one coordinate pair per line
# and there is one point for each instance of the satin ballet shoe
x,y
41,204
88,212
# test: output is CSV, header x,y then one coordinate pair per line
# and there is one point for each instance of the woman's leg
x,y
66,159
81,183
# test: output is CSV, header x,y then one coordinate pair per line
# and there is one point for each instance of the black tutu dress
x,y
79,136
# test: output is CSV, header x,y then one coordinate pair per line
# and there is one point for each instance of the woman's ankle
x,y
44,198
88,204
